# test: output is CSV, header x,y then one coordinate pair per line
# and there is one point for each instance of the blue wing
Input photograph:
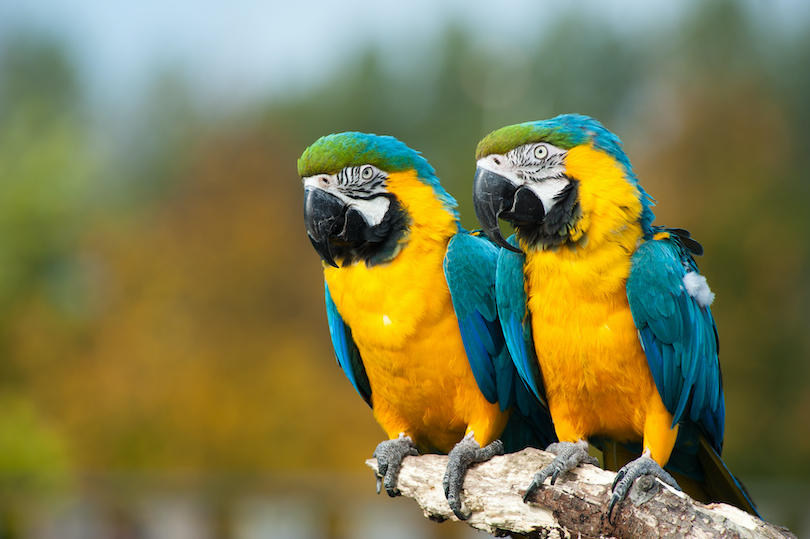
x,y
469,268
346,352
669,301
515,318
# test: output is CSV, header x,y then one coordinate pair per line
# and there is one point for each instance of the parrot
x,y
410,304
606,315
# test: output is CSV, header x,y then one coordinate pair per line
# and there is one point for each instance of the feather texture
x,y
346,352
516,320
679,335
470,269
618,321
417,334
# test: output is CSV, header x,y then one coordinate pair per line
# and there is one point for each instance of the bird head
x,y
560,181
351,211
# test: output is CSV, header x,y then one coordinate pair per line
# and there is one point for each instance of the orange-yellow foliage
x,y
209,348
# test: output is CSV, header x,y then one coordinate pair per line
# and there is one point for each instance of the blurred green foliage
x,y
161,307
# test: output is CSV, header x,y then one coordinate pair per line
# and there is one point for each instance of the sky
x,y
250,49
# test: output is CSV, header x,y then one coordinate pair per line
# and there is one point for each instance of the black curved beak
x,y
492,196
323,214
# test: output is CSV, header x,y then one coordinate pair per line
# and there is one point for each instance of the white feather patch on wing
x,y
697,287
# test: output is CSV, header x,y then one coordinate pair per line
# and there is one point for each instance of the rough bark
x,y
575,507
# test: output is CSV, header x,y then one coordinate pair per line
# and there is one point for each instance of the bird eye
x,y
366,172
540,151
324,181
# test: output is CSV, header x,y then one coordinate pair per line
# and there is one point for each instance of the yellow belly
x,y
595,373
427,390
408,337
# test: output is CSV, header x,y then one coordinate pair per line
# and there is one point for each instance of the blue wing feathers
x,y
480,358
515,321
468,265
678,334
679,338
505,378
470,270
346,352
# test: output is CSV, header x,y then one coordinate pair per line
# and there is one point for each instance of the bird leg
x,y
569,456
644,465
389,455
461,457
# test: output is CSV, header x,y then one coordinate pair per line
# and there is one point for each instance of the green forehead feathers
x,y
512,136
566,131
332,153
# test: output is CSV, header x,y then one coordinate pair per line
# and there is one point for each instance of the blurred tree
x,y
37,76
47,174
45,178
211,348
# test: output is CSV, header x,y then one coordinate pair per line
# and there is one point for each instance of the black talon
x,y
534,485
461,457
389,455
631,471
569,456
614,499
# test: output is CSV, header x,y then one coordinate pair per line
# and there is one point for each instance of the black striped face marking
x,y
528,186
538,166
362,187
537,162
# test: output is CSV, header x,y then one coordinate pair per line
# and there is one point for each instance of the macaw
x,y
410,302
606,315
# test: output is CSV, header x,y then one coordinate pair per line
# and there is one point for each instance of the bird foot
x,y
389,455
461,457
569,456
642,466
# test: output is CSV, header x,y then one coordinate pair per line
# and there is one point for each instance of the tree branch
x,y
575,506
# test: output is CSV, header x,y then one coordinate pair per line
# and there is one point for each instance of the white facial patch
x,y
697,287
539,166
547,190
373,209
499,165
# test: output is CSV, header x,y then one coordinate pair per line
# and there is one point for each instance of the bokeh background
x,y
165,366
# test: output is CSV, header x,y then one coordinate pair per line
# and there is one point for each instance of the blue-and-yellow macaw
x,y
410,301
606,316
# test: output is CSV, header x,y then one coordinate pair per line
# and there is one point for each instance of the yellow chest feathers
x,y
402,320
586,342
385,304
589,278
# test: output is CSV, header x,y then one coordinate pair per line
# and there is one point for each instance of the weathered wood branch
x,y
575,507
